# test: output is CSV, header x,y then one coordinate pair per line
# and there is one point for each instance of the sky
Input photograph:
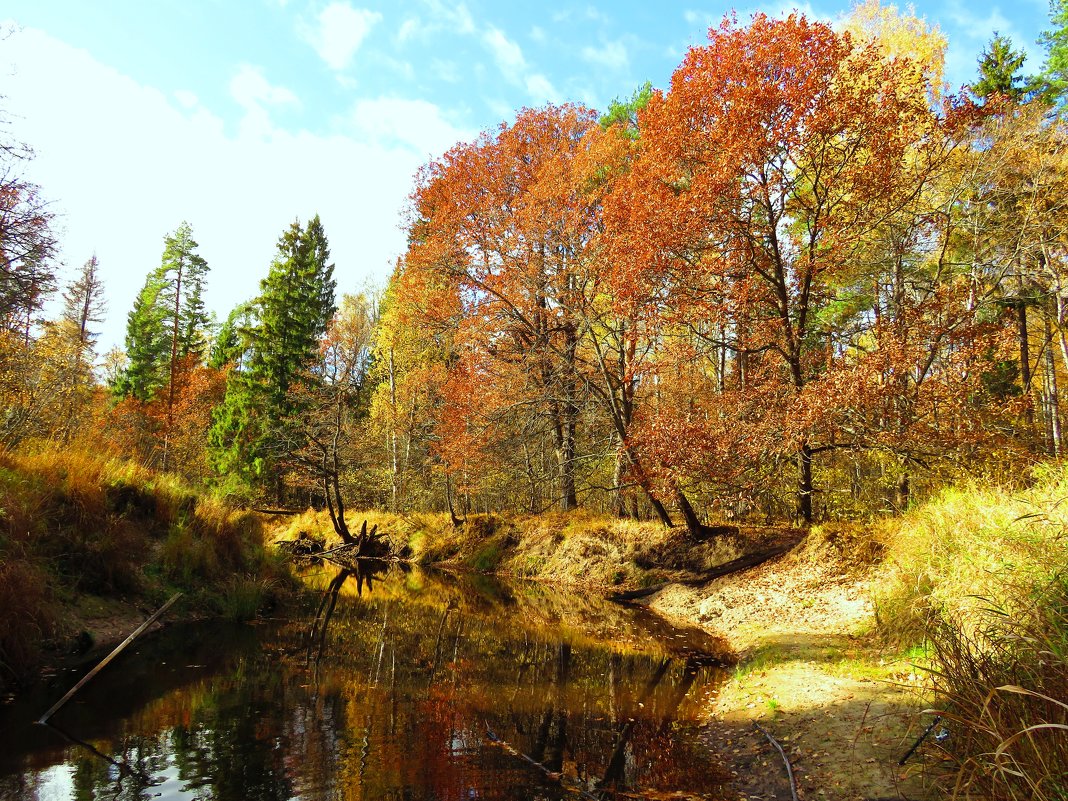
x,y
240,116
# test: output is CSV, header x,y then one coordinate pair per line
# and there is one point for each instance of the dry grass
x,y
969,548
1004,682
71,523
981,575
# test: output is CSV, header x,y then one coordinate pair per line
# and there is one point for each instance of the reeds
x,y
1003,679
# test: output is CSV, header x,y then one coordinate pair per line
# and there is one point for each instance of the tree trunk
x,y
699,531
1025,363
564,431
903,491
1052,396
619,495
804,484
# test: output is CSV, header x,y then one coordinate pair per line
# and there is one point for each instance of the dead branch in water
x,y
107,659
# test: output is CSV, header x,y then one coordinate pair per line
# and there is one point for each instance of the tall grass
x,y
981,575
1004,681
71,523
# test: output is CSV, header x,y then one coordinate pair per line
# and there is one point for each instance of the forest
x,y
802,283
806,288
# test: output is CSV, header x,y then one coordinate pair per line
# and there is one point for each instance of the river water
x,y
391,684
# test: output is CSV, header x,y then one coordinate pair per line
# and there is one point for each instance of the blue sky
x,y
240,115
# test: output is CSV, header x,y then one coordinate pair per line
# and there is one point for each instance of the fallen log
x,y
107,659
551,775
727,568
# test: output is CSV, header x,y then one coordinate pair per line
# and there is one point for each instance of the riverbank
x,y
90,547
812,672
845,641
809,666
821,633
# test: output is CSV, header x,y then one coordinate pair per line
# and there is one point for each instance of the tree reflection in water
x,y
395,685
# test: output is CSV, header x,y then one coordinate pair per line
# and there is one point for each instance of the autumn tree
x,y
331,397
779,148
503,221
27,242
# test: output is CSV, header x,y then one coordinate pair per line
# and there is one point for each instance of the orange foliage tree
x,y
501,225
763,174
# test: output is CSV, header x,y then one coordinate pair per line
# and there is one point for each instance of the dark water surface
x,y
422,686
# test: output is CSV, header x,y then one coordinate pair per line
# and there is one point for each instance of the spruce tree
x,y
147,343
168,322
254,430
999,70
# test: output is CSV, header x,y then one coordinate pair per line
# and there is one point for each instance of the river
x,y
389,684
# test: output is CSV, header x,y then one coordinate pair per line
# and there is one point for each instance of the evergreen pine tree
x,y
168,322
999,70
147,343
253,432
1052,84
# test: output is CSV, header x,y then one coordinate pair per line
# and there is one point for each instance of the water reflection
x,y
399,685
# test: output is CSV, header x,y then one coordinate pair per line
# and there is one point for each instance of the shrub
x,y
27,617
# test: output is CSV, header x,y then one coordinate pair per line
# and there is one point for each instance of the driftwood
x,y
733,566
366,545
785,759
107,659
920,739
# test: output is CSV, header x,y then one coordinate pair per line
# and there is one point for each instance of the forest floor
x,y
811,673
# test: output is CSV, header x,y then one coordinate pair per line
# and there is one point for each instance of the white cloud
x,y
540,88
255,94
252,90
509,58
446,71
507,54
456,18
409,29
537,34
340,31
146,163
416,125
186,98
612,55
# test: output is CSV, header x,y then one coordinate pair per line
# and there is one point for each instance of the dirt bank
x,y
811,674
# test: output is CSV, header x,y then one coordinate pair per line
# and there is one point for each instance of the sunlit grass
x,y
72,523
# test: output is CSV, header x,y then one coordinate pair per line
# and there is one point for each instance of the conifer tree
x,y
999,70
255,427
146,344
168,322
83,303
